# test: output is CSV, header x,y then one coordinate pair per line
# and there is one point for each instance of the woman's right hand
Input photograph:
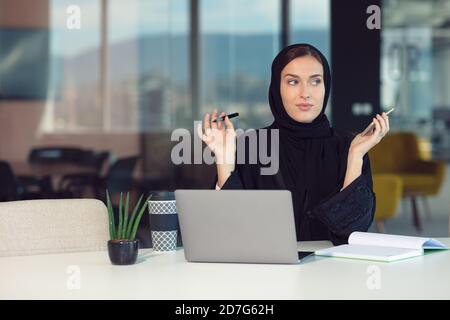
x,y
219,137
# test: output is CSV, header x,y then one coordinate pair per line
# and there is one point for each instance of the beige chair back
x,y
52,226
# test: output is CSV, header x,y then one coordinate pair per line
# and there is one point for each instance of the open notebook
x,y
381,247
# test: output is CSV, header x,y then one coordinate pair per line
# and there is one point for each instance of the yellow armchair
x,y
388,190
399,154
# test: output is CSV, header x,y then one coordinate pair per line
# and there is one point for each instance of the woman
x,y
327,173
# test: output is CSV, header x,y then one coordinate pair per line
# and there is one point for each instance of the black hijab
x,y
313,156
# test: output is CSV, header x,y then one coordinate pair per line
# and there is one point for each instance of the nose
x,y
304,92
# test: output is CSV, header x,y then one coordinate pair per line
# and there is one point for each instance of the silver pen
x,y
372,125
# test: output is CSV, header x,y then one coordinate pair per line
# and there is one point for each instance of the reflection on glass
x,y
237,49
415,68
73,103
148,64
406,68
147,67
310,23
414,63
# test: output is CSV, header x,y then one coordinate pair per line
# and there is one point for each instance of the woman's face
x,y
302,88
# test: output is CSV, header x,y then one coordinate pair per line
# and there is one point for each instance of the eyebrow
x,y
296,76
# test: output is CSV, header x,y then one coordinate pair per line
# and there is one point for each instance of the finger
x,y
386,122
206,121
220,125
377,131
228,123
206,124
382,123
214,117
386,119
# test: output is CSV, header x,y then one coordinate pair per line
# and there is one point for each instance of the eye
x,y
292,82
316,81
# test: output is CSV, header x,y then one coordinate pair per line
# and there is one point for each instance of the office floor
x,y
435,226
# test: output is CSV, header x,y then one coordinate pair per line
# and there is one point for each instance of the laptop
x,y
243,226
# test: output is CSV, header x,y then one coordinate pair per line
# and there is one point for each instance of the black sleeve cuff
x,y
233,182
350,210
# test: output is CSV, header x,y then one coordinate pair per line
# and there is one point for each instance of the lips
x,y
304,106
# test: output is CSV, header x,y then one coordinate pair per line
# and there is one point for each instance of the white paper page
x,y
364,252
386,240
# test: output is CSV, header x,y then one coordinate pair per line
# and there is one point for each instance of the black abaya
x,y
313,163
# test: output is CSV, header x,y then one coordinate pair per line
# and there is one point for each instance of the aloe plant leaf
x,y
119,228
133,215
112,224
138,219
125,224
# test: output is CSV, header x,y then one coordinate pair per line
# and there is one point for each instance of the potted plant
x,y
123,248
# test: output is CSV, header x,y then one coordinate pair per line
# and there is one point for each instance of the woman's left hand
x,y
361,144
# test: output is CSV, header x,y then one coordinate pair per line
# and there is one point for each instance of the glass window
x,y
146,72
73,102
24,63
415,69
407,62
310,23
148,64
237,49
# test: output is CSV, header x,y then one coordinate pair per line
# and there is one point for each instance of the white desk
x,y
169,276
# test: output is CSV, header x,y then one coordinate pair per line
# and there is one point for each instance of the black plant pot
x,y
123,252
